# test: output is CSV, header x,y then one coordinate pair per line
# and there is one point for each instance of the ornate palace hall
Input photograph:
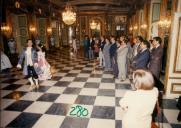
x,y
90,64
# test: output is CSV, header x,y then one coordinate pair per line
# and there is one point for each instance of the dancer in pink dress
x,y
43,69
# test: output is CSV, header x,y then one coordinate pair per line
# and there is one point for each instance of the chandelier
x,y
93,25
68,15
164,23
17,4
4,28
131,28
143,26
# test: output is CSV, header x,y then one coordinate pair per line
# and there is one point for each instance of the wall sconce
x,y
53,14
131,28
17,4
32,29
165,24
39,10
143,26
4,28
49,30
135,27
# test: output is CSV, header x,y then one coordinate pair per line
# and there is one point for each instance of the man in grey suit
x,y
156,57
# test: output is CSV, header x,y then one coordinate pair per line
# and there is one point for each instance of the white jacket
x,y
139,107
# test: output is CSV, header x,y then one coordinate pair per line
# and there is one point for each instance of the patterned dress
x,y
43,69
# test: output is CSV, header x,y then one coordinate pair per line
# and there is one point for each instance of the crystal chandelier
x,y
68,15
164,23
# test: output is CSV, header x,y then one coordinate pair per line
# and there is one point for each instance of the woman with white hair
x,y
139,104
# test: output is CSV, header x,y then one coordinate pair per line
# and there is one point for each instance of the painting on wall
x,y
156,12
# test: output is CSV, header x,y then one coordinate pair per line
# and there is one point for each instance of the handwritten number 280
x,y
79,111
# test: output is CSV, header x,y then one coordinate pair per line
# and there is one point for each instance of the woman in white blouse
x,y
138,105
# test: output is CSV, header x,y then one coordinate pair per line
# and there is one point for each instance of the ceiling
x,y
108,6
127,7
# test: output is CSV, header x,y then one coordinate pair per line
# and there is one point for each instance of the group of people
x,y
122,57
35,65
32,57
140,59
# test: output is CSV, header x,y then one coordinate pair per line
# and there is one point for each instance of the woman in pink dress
x,y
43,69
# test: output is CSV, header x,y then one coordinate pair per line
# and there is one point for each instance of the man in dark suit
x,y
113,56
141,60
155,69
156,57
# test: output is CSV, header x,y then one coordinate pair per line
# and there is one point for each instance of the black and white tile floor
x,y
79,95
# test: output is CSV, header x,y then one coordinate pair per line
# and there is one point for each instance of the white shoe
x,y
31,80
31,87
36,83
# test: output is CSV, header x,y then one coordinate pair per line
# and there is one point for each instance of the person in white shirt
x,y
137,47
74,45
139,105
30,55
101,56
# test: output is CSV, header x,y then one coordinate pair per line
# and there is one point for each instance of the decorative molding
x,y
177,57
41,25
173,88
22,29
174,77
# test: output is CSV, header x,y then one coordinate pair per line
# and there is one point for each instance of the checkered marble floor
x,y
76,82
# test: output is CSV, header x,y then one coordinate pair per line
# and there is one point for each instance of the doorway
x,y
95,26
